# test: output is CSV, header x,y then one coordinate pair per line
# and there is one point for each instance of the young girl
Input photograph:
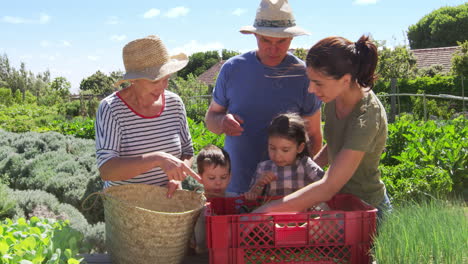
x,y
289,168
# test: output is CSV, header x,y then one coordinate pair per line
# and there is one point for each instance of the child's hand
x,y
267,177
250,195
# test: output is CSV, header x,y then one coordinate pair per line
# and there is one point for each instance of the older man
x,y
254,87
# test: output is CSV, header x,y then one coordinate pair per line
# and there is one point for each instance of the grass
x,y
431,231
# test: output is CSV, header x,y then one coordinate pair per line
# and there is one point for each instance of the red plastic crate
x,y
341,235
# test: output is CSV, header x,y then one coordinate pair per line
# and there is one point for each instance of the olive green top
x,y
364,129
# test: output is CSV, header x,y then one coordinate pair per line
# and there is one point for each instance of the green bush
x,y
70,109
7,205
6,97
62,165
201,136
39,241
432,108
31,203
426,157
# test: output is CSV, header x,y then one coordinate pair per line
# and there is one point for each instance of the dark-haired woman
x,y
342,74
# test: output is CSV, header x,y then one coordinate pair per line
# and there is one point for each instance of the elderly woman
x,y
142,133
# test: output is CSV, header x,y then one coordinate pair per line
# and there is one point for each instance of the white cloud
x,y
194,46
177,12
112,20
239,11
26,57
57,44
365,2
48,57
118,38
13,20
93,58
44,43
43,19
153,12
66,43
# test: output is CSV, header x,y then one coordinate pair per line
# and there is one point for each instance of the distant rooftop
x,y
442,56
208,77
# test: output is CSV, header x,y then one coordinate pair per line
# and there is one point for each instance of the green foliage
x,y
6,97
61,165
26,117
398,62
426,158
70,109
433,109
431,71
61,86
439,84
431,231
440,28
301,53
198,63
31,117
7,204
23,82
39,241
460,60
202,136
98,83
191,92
227,54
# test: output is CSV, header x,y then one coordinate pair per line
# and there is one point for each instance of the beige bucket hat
x,y
274,19
147,58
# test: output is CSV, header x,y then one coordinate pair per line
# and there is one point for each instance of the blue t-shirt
x,y
257,93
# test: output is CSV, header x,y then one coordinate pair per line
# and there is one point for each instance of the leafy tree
x,y
199,62
6,96
98,83
61,86
226,54
398,62
460,60
301,53
440,28
431,71
22,79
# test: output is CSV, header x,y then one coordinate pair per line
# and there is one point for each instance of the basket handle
x,y
94,194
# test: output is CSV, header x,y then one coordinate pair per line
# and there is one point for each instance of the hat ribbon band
x,y
274,23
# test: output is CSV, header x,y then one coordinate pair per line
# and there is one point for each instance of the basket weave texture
x,y
143,226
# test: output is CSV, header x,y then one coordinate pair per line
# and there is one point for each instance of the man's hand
x,y
231,125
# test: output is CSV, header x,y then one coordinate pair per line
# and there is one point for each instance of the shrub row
x,y
61,165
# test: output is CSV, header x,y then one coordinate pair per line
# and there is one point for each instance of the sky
x,y
74,39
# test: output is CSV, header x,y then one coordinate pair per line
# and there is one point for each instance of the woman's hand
x,y
172,186
176,170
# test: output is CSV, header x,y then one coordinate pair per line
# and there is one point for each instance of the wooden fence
x,y
195,101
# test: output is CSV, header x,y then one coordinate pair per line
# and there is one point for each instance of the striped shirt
x,y
289,178
121,132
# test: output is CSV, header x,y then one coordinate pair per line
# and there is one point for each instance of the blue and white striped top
x,y
122,132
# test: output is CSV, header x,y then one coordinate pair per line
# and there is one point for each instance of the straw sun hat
x,y
274,19
147,58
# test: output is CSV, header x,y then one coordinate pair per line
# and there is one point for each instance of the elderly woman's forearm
x,y
120,169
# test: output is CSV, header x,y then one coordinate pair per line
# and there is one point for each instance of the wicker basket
x,y
143,226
